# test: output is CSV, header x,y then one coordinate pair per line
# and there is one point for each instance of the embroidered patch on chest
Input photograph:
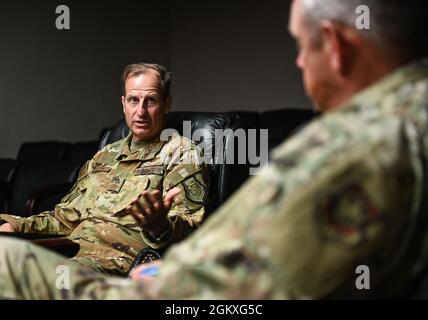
x,y
115,184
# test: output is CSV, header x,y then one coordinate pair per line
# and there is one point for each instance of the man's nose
x,y
141,109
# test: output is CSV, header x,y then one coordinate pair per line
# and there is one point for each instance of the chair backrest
x,y
217,135
80,152
284,123
119,131
41,165
7,165
33,176
42,151
36,163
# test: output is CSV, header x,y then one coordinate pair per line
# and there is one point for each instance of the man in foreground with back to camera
x,y
343,192
93,213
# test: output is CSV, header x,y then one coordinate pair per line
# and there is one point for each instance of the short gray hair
x,y
136,69
397,25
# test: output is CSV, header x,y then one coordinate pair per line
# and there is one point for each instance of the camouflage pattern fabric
x,y
339,194
92,213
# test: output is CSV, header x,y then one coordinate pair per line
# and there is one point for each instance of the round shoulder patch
x,y
343,215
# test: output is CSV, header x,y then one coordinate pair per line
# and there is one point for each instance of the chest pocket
x,y
104,187
130,189
100,177
154,173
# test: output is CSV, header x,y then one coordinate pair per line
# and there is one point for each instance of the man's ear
x,y
168,104
334,46
341,43
123,104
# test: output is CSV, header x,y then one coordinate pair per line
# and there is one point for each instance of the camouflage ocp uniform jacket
x,y
92,212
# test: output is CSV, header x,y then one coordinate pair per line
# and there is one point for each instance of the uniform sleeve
x,y
187,210
354,216
302,231
61,221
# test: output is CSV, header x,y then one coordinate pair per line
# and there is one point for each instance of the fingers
x,y
149,203
157,196
167,202
138,206
138,217
153,200
148,209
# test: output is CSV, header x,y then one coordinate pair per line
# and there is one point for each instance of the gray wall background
x,y
234,55
65,85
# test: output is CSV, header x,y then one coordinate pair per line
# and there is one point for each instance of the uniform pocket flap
x,y
100,167
130,191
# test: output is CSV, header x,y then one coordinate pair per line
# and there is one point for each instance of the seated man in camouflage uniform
x,y
94,212
345,191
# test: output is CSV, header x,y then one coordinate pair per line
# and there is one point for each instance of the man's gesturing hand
x,y
151,212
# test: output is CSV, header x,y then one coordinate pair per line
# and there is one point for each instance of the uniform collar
x,y
148,151
409,73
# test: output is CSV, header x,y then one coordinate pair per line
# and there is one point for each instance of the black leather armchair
x,y
44,173
63,173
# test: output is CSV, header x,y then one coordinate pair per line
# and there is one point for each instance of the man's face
x,y
144,106
313,60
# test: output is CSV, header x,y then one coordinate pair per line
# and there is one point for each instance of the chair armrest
x,y
56,243
62,245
